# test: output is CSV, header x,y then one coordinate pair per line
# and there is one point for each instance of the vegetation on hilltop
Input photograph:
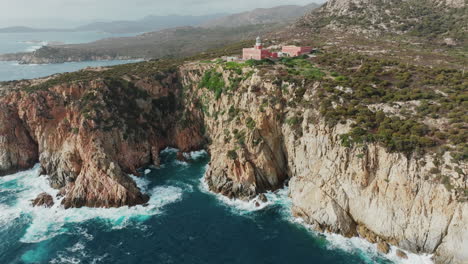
x,y
360,88
398,105
423,18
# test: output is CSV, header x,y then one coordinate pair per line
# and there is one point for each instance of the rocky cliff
x,y
89,135
261,138
264,125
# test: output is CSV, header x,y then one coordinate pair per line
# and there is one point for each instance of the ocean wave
x,y
33,48
77,254
169,150
242,207
369,250
283,202
46,223
181,163
36,45
195,155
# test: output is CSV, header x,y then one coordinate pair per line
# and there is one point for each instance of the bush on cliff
x,y
367,81
214,82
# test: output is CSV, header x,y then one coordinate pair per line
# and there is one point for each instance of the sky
x,y
70,13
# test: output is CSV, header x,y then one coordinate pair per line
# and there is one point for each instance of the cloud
x,y
51,12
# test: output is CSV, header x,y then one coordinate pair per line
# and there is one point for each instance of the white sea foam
x,y
77,247
49,222
169,150
63,258
181,163
242,207
356,245
362,247
99,259
197,154
141,182
36,46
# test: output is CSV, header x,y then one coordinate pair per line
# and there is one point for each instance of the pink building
x,y
294,51
257,52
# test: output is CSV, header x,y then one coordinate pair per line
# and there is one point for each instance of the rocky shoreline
x,y
90,134
33,58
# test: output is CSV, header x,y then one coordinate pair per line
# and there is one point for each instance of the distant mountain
x,y
275,15
433,19
148,24
279,14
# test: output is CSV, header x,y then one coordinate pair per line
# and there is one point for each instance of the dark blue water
x,y
183,223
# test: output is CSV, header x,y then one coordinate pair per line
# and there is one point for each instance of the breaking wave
x,y
368,250
35,45
281,200
45,223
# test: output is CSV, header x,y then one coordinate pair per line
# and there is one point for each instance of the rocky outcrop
x,y
246,150
88,136
43,199
18,151
50,55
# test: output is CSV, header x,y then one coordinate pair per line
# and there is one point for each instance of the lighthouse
x,y
258,43
257,52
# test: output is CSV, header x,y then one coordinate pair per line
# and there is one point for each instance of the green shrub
x,y
214,82
232,154
250,123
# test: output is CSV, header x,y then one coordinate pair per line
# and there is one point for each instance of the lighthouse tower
x,y
258,44
257,52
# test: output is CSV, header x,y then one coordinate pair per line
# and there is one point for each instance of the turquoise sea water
x,y
183,223
27,42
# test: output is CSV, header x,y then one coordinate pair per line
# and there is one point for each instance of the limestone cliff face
x,y
352,191
246,144
88,136
260,139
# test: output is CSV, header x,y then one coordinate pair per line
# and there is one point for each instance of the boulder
x,y
383,247
262,197
401,254
43,199
180,157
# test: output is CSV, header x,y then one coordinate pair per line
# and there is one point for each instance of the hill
x,y
430,19
279,14
148,24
